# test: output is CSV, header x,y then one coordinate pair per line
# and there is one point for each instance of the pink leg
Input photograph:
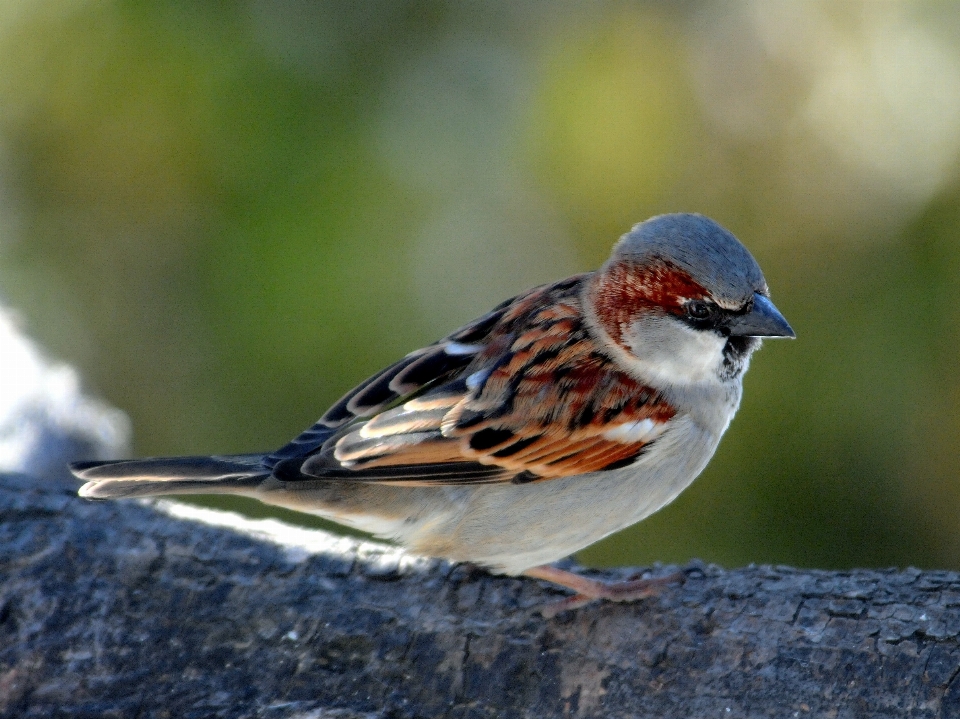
x,y
589,590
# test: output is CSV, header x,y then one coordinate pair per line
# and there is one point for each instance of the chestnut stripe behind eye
x,y
623,288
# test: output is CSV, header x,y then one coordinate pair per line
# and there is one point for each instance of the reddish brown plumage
x,y
546,407
624,288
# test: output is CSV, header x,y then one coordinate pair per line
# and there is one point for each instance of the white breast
x,y
510,528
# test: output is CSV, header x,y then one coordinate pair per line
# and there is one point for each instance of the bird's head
x,y
683,301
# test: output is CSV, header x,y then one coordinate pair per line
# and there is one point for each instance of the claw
x,y
590,590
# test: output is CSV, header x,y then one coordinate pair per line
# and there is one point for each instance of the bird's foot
x,y
590,590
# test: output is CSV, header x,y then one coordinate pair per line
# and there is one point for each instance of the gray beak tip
x,y
763,320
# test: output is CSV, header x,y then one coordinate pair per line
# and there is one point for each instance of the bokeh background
x,y
227,213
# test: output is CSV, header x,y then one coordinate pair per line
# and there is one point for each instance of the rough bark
x,y
129,610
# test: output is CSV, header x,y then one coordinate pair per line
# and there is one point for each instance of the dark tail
x,y
235,474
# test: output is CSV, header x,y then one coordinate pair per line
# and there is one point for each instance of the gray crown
x,y
696,244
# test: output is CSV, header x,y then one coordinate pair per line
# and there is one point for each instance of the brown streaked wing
x,y
553,413
544,402
410,375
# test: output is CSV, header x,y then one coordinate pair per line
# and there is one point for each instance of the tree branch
x,y
125,609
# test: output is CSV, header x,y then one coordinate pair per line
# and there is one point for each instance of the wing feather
x,y
525,393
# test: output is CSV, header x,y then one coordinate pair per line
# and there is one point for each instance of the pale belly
x,y
509,528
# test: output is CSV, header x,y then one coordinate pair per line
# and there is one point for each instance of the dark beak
x,y
763,320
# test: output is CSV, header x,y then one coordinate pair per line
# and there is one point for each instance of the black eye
x,y
700,310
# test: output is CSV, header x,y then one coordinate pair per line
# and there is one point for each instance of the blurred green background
x,y
228,213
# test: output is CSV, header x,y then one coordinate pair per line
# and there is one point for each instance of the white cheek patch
x,y
644,430
668,350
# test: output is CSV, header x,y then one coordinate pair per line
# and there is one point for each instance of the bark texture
x,y
131,610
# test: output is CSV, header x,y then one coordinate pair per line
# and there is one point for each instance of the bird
x,y
568,412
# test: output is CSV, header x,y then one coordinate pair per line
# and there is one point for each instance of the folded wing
x,y
522,394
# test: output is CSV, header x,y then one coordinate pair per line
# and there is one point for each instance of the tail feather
x,y
170,475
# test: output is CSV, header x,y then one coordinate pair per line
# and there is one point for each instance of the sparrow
x,y
566,413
